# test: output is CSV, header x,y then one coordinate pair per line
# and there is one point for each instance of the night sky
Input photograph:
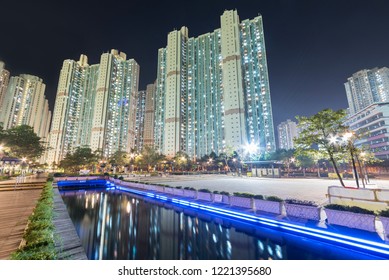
x,y
312,46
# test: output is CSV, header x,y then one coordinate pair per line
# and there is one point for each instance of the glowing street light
x,y
250,148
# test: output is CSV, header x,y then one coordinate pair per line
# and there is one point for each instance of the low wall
x,y
373,199
75,178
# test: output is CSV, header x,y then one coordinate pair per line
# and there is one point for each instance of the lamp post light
x,y
347,138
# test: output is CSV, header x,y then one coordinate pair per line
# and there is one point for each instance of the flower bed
x,y
352,217
204,196
302,209
245,202
271,206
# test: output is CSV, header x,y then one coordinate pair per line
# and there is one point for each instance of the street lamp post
x,y
347,137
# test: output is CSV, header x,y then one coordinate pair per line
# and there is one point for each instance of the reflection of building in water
x,y
117,226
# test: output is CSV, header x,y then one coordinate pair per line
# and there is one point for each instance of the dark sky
x,y
312,46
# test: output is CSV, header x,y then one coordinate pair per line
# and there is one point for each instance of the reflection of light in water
x,y
189,222
86,203
194,230
214,238
279,251
260,246
206,227
220,228
229,247
93,202
128,207
133,201
270,250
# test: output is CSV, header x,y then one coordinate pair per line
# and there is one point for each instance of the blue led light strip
x,y
313,232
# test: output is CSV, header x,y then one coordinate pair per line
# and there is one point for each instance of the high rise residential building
x,y
95,106
4,79
367,87
148,131
372,126
73,111
212,91
24,103
140,120
287,131
115,104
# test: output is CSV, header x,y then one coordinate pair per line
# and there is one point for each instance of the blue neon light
x,y
313,232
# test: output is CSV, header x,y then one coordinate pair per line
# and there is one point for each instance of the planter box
x,y
303,211
204,196
244,202
385,224
159,188
351,220
168,190
178,192
218,198
190,193
225,199
274,207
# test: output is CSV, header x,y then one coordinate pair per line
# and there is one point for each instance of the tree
x,y
81,158
150,157
182,160
23,142
316,132
119,158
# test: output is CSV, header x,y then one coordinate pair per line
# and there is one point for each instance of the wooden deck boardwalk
x,y
67,241
15,208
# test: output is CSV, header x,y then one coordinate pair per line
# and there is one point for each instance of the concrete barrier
x,y
373,199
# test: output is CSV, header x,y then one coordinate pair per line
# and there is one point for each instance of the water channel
x,y
117,225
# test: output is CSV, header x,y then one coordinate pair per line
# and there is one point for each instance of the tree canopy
x,y
22,142
316,134
82,157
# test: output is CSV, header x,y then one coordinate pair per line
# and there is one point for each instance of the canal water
x,y
116,225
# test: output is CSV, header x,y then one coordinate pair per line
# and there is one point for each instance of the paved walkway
x,y
313,189
68,243
15,208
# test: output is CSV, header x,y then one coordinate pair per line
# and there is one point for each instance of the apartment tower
x,y
24,103
212,91
95,106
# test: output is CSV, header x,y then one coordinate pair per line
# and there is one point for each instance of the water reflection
x,y
115,225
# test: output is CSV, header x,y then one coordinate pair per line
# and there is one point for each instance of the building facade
x,y
287,131
4,79
148,130
140,120
95,106
24,103
372,125
367,87
212,91
113,126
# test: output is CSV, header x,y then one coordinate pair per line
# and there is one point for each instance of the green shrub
x,y
106,174
384,213
189,188
301,202
121,178
224,193
354,209
274,198
179,187
115,176
39,235
248,195
258,196
205,190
